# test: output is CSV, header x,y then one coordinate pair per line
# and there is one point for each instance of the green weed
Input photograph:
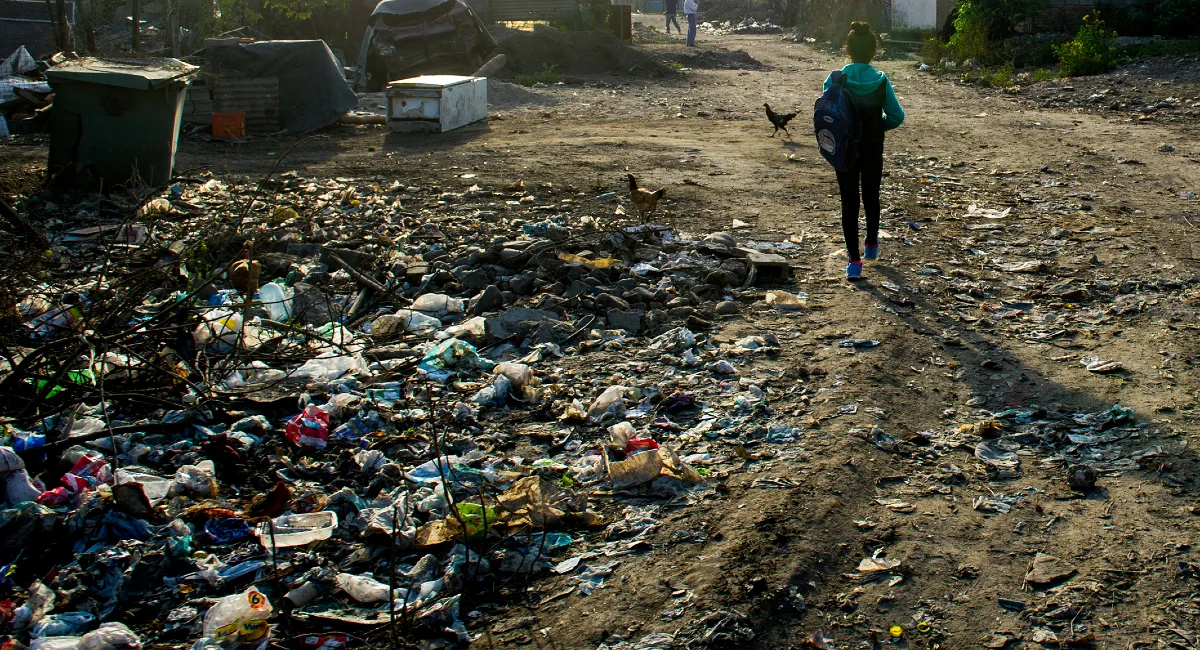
x,y
547,76
1093,51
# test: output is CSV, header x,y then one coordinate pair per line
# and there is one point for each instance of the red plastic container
x,y
228,125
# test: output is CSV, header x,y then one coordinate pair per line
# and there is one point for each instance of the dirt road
x,y
978,319
1099,215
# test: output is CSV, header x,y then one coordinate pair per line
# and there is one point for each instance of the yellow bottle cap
x,y
897,631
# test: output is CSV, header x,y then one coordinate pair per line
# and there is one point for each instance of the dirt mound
x,y
574,53
503,95
716,59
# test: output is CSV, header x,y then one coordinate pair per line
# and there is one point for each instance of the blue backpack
x,y
835,123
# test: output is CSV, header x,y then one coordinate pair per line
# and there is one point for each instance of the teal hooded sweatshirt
x,y
863,79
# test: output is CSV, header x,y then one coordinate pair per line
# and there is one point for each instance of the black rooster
x,y
779,121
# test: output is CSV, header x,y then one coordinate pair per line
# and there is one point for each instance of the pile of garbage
x,y
24,94
745,26
240,412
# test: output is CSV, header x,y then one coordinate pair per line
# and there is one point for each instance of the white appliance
x,y
436,103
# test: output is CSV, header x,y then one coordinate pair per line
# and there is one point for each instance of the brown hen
x,y
645,201
243,274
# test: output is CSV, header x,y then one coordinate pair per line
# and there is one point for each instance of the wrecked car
x,y
406,38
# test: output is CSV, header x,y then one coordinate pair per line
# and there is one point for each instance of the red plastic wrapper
x,y
88,472
639,444
310,428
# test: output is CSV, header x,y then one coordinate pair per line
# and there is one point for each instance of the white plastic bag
x,y
110,636
611,403
240,619
277,300
364,589
218,331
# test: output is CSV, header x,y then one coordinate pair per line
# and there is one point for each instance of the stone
x,y
639,294
474,279
578,288
487,300
314,307
655,318
629,320
518,321
1081,478
523,283
387,325
610,301
721,278
694,322
727,308
357,259
303,250
1047,570
679,301
680,312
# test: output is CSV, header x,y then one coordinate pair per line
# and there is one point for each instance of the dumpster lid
x,y
431,81
139,74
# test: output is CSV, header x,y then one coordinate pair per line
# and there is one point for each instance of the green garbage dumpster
x,y
115,121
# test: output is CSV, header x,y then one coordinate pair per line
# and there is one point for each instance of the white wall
x,y
914,14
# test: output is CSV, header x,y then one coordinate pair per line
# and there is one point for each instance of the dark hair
x,y
861,42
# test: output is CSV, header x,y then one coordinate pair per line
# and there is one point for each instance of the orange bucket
x,y
228,125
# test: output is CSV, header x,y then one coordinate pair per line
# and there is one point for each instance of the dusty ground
x,y
774,550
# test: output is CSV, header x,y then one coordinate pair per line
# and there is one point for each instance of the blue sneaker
x,y
854,271
870,252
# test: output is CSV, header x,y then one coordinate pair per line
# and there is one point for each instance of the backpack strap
x,y
838,78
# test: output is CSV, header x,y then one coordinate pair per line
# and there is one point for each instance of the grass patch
x,y
1043,74
1001,77
675,65
547,76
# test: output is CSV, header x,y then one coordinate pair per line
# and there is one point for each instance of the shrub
x,y
1093,51
1001,77
933,51
970,40
546,76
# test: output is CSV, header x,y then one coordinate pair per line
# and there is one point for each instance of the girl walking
x,y
878,111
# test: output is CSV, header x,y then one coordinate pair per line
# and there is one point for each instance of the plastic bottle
x,y
239,619
437,302
298,530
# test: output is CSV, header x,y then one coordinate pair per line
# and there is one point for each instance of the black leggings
x,y
870,169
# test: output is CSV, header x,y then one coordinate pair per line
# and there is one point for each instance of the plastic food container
x,y
298,530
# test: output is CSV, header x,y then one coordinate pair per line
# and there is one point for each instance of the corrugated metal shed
x,y
257,97
27,22
197,103
506,10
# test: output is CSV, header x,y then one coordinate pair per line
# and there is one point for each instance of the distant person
x,y
672,7
878,111
690,9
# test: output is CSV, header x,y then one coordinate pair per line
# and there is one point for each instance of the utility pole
x,y
135,45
